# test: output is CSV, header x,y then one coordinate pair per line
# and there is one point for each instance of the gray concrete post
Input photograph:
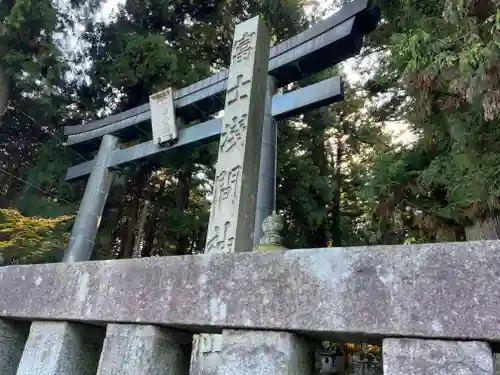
x,y
131,349
61,348
12,340
422,357
267,170
265,353
83,234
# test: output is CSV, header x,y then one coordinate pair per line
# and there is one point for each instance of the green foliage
x,y
341,179
445,57
48,175
31,239
34,104
26,41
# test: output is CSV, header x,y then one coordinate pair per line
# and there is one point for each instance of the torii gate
x,y
245,197
325,44
245,180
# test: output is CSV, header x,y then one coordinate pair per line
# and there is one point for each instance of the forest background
x,y
345,177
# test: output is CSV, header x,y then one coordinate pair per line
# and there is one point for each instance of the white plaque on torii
x,y
163,122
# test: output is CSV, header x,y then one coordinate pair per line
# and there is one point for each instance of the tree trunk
x,y
137,253
152,224
5,80
13,165
4,92
335,230
484,229
148,189
151,227
149,232
181,203
128,244
318,237
199,244
115,234
139,185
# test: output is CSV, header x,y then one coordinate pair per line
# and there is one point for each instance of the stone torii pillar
x,y
60,348
232,215
84,231
267,171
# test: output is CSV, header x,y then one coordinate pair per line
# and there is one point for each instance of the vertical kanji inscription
x,y
226,184
237,171
220,240
233,132
163,124
243,47
239,90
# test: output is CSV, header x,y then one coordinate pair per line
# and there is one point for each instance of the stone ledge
x,y
425,357
449,290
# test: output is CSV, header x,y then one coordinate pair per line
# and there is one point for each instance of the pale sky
x,y
110,6
351,67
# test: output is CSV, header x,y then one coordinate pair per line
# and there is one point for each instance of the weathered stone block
x,y
13,337
265,353
61,348
448,290
205,356
143,349
434,357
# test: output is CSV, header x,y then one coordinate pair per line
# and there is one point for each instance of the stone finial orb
x,y
273,224
271,240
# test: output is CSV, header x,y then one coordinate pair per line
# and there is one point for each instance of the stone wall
x,y
433,307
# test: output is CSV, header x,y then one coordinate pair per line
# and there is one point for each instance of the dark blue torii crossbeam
x,y
321,46
284,105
